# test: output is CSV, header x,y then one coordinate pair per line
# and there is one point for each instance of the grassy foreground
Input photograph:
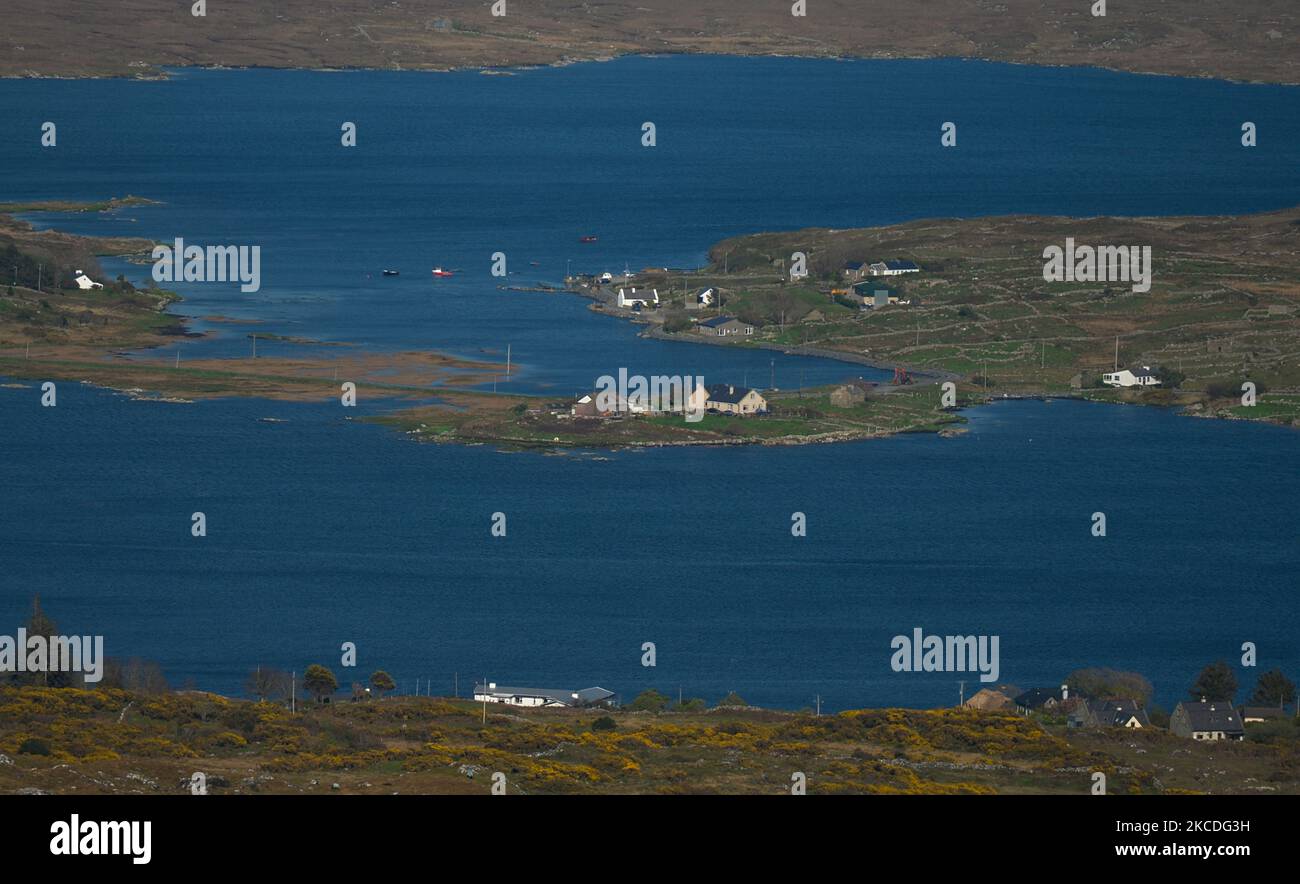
x,y
64,740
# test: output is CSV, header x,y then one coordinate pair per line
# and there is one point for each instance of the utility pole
x,y
819,705
1116,368
293,692
456,685
773,387
254,346
485,688
40,272
178,357
961,694
507,360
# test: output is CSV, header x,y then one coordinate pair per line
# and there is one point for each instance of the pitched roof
x,y
1212,715
720,320
901,265
986,698
1036,697
1261,712
1117,711
729,393
557,695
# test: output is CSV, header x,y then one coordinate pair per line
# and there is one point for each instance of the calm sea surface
x,y
323,530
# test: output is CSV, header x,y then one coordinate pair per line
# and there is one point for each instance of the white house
x,y
85,282
1126,378
491,693
893,268
645,298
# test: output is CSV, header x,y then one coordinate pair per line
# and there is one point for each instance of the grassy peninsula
x,y
1223,307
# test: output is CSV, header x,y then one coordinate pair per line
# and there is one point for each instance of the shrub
x,y
604,723
33,746
648,701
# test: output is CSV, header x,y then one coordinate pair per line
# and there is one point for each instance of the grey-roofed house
x,y
1257,714
1115,712
724,327
1042,700
1207,720
548,697
728,399
856,269
894,268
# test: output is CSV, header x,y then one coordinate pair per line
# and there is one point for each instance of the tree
x,y
40,624
1170,378
1216,682
1104,684
319,682
649,701
1273,689
266,683
732,699
382,682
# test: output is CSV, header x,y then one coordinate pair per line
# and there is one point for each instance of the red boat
x,y
438,271
587,239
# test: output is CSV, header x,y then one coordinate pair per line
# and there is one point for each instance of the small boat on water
x,y
587,238
438,271
392,273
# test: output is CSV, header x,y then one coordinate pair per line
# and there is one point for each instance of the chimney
x,y
731,391
492,686
1065,692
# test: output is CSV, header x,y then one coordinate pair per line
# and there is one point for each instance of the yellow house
x,y
728,399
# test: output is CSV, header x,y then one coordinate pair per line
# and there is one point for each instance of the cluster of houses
x,y
544,697
1191,719
714,398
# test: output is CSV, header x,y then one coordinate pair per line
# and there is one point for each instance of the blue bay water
x,y
324,530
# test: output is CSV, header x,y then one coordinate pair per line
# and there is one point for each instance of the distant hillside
x,y
1256,40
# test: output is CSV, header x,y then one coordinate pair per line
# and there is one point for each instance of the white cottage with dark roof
x,y
1207,720
551,697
